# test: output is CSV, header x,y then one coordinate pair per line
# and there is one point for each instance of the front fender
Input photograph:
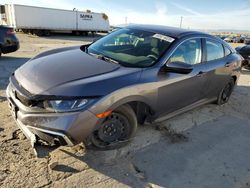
x,y
145,93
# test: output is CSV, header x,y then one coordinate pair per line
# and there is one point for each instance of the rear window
x,y
214,50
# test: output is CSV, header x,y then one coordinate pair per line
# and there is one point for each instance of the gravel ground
x,y
206,147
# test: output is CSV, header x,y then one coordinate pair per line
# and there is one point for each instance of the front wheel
x,y
116,130
226,92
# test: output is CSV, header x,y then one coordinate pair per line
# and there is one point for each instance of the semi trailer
x,y
43,21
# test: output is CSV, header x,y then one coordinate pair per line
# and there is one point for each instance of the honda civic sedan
x,y
99,93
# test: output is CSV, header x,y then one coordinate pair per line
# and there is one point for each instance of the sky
x,y
196,14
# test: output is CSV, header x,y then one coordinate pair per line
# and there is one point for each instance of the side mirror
x,y
179,67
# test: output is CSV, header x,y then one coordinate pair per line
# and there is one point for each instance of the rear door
x,y
219,66
180,90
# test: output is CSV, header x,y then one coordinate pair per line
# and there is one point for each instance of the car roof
x,y
175,32
165,30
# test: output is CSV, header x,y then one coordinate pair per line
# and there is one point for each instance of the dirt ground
x,y
206,147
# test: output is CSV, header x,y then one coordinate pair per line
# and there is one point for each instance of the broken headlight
x,y
65,105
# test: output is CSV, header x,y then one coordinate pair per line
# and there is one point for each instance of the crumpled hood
x,y
62,66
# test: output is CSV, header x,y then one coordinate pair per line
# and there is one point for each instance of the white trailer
x,y
40,20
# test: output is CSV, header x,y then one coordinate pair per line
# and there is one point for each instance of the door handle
x,y
227,64
201,73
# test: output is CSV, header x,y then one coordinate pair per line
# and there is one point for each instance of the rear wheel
x,y
85,33
47,32
226,92
116,130
39,33
77,33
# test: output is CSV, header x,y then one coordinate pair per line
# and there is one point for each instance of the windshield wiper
x,y
103,57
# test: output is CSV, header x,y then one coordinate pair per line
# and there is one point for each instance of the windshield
x,y
132,48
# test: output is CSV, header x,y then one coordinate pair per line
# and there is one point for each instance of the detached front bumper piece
x,y
53,128
27,132
51,136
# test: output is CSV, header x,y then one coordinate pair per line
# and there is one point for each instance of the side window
x,y
214,50
227,51
188,52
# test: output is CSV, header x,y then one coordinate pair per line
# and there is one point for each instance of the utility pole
x,y
181,21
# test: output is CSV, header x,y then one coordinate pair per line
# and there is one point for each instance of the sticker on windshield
x,y
163,37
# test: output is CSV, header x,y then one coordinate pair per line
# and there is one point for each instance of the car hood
x,y
57,67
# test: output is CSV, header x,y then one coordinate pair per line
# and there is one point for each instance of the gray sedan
x,y
99,93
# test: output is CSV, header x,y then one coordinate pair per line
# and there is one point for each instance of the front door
x,y
180,90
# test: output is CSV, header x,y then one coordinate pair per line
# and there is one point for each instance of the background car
x,y
8,40
222,37
247,41
242,39
228,39
244,51
238,39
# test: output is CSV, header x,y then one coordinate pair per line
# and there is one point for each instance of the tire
x,y
226,92
25,31
0,52
116,130
47,33
84,33
77,33
38,33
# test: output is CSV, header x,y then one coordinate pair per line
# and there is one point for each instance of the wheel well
x,y
142,110
235,78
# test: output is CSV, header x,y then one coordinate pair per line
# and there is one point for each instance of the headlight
x,y
66,105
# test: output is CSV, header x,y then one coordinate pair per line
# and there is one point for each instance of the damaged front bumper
x,y
51,128
43,134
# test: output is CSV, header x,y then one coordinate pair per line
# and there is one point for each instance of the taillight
x,y
10,31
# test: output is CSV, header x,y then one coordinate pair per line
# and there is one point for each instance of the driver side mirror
x,y
178,67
